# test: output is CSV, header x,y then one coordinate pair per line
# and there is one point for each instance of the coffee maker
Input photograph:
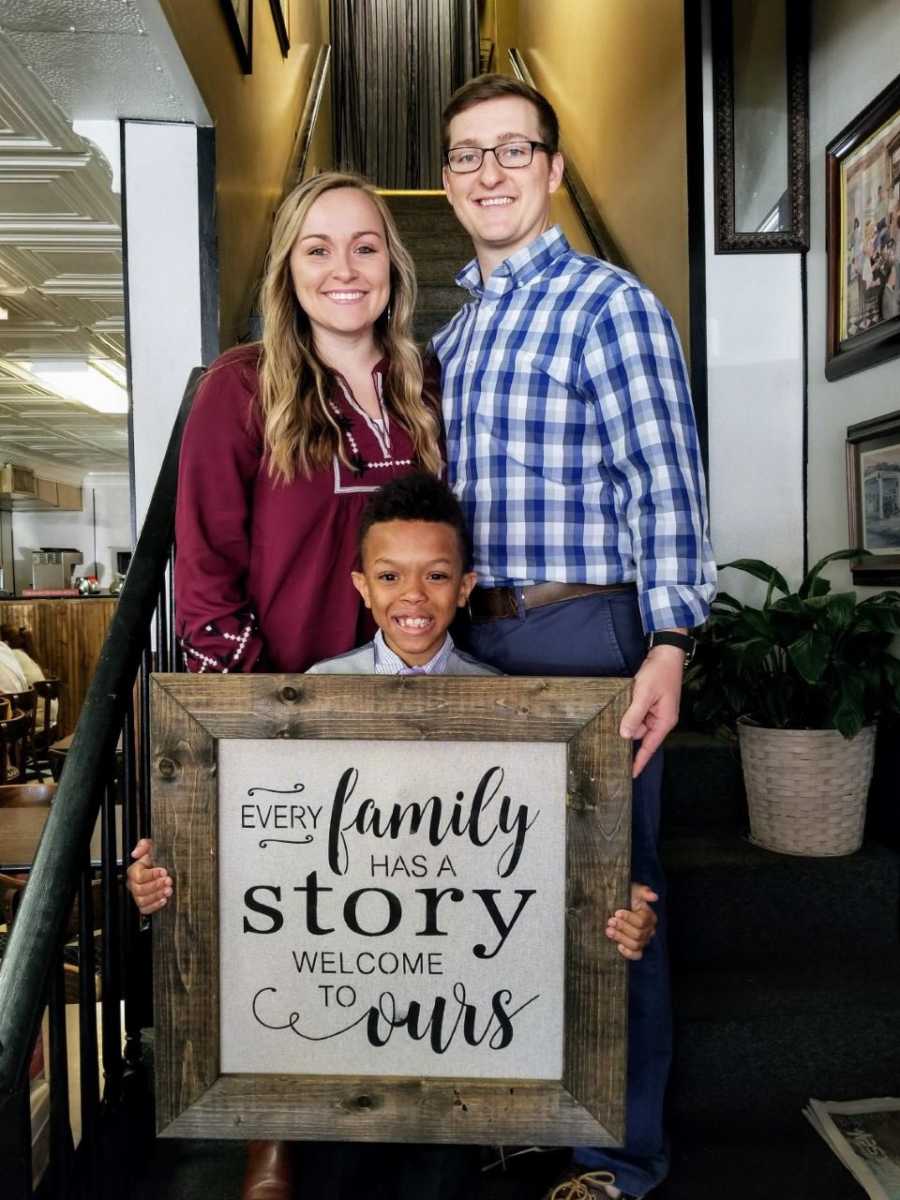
x,y
51,567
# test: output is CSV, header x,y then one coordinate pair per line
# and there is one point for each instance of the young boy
x,y
416,557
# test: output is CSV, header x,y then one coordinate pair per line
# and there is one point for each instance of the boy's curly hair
x,y
418,497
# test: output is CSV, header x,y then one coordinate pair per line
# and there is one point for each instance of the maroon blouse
x,y
262,570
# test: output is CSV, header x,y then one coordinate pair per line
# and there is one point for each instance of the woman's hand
x,y
150,886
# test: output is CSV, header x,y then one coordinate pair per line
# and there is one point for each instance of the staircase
x,y
440,246
786,982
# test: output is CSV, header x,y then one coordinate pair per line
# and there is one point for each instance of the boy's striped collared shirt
x,y
571,440
389,663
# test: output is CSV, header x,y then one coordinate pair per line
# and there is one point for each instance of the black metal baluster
x,y
143,745
136,981
87,1031
162,631
112,947
174,648
61,1149
15,1141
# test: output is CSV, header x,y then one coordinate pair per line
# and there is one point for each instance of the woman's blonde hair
x,y
301,431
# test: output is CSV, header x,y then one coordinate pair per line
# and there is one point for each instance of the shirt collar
x,y
520,268
389,663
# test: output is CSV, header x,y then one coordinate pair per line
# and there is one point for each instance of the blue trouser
x,y
595,635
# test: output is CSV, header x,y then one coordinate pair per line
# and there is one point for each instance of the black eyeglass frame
x,y
483,150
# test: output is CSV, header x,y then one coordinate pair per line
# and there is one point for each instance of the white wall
x,y
855,53
755,357
105,520
164,319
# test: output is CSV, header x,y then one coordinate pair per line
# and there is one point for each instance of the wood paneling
x,y
68,635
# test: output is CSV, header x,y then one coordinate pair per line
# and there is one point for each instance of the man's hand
x,y
632,928
654,704
150,886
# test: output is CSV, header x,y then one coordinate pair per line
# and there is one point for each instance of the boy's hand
x,y
632,928
150,886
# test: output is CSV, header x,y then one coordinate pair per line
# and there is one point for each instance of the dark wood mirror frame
x,y
786,241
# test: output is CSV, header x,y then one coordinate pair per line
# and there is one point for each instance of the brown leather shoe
x,y
270,1171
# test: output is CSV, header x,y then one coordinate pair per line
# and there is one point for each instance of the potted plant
x,y
803,679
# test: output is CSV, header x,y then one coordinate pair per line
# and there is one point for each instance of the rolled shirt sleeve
x,y
634,372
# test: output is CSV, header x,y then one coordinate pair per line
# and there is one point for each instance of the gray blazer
x,y
362,662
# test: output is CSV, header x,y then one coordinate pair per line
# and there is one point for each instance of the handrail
x,y
308,118
60,857
601,239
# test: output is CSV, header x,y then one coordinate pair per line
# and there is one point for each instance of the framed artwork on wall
x,y
281,17
862,195
873,485
239,16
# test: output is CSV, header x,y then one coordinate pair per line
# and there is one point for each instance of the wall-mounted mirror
x,y
760,94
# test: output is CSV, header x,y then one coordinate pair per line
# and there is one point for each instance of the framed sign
x,y
391,896
862,198
873,499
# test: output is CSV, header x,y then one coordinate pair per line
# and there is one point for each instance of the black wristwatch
x,y
683,641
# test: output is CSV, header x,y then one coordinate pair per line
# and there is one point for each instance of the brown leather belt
x,y
496,603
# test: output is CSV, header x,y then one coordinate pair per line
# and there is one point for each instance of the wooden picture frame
x,y
586,1105
239,19
281,17
873,467
791,234
862,200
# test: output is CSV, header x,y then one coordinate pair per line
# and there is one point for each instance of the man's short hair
x,y
490,87
418,497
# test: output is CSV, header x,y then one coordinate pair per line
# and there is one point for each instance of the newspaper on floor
x,y
865,1135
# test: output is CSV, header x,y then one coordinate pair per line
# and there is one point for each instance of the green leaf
x,y
810,654
756,623
759,570
840,611
808,587
728,601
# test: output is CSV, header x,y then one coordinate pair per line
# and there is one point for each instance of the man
x,y
571,444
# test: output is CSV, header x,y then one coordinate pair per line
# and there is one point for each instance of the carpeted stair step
x,y
795,1165
440,270
439,246
438,298
734,904
703,787
752,1046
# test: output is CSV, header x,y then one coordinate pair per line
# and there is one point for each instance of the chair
x,y
25,702
11,890
46,721
26,795
14,740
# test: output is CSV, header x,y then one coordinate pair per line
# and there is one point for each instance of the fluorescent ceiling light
x,y
90,383
4,313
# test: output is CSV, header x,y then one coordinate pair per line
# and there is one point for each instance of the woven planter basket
x,y
806,788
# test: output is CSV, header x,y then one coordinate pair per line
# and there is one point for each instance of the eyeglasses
x,y
462,160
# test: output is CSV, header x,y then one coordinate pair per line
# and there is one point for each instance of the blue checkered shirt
x,y
571,440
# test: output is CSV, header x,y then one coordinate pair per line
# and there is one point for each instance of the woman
x,y
287,439
284,444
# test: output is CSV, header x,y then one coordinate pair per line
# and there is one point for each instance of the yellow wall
x,y
256,119
615,74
